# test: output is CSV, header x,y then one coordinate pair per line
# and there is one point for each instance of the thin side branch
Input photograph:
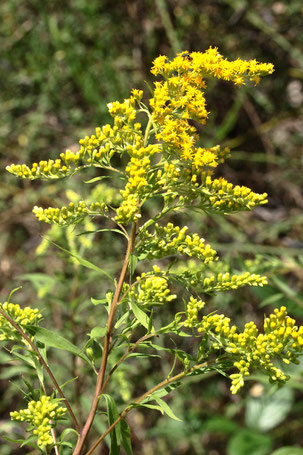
x,y
139,400
42,361
124,356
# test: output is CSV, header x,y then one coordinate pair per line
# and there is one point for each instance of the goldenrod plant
x,y
150,152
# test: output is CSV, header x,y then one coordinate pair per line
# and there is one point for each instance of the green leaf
x,y
66,444
150,322
82,261
149,344
141,354
140,315
68,382
283,286
142,256
165,408
115,434
268,411
98,332
13,292
287,450
99,301
21,442
121,320
246,442
96,179
29,443
66,432
147,405
126,438
133,261
54,340
10,372
165,390
271,300
113,230
26,359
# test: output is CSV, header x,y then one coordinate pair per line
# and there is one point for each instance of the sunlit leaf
x,y
166,409
54,340
140,315
98,332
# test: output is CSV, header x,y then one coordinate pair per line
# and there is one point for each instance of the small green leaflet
x,y
103,230
96,179
23,442
98,332
161,407
165,390
140,315
166,409
132,264
99,301
113,230
12,292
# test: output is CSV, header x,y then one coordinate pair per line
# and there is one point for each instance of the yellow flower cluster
x,y
40,415
250,349
195,275
92,151
125,111
72,214
211,63
137,185
25,316
224,281
180,97
95,150
168,176
152,289
210,157
192,309
221,196
170,239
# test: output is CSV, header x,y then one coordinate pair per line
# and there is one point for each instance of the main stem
x,y
110,321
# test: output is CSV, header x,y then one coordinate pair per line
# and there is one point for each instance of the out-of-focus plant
x,y
157,159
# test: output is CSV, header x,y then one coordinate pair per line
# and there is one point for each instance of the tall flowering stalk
x,y
164,160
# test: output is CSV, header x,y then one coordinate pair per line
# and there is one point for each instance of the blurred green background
x,y
60,64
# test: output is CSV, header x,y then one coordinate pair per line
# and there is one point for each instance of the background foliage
x,y
59,67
